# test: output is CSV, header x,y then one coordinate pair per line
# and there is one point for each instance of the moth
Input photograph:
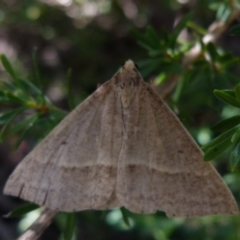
x,y
122,146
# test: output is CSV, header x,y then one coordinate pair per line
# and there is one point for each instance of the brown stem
x,y
39,226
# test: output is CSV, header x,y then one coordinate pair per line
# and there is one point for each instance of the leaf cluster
x,y
164,52
230,128
211,69
27,104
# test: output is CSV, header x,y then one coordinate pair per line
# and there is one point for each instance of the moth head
x,y
129,70
128,81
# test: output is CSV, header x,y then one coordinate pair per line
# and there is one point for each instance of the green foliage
x,y
163,51
230,127
214,64
26,110
70,226
23,96
125,216
22,210
223,9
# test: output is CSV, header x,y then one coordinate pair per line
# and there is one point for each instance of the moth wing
x,y
162,168
74,167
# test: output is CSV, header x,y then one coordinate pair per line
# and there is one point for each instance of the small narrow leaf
x,y
13,116
153,37
223,11
24,209
227,98
222,137
9,86
7,65
230,62
70,226
211,48
237,92
217,149
235,156
6,116
235,136
30,125
226,135
30,87
226,124
16,99
3,97
177,30
125,216
229,92
27,122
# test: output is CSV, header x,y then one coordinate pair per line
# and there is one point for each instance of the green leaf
x,y
16,99
24,124
153,37
14,114
237,92
3,97
149,65
179,89
145,45
229,92
125,216
231,61
226,124
9,86
150,41
235,30
232,78
57,115
7,65
227,98
31,121
177,30
217,149
197,28
223,12
30,87
236,136
222,137
211,48
235,156
20,211
70,226
6,116
165,35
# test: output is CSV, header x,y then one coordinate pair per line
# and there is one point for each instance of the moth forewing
x,y
122,146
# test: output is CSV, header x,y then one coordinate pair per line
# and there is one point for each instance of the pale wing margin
x,y
72,168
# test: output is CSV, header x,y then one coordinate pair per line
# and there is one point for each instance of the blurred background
x,y
93,39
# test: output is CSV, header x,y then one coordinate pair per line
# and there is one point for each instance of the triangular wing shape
x,y
75,166
162,168
122,147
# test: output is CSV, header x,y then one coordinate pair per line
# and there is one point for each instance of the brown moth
x,y
122,146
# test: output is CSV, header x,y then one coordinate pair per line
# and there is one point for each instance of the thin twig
x,y
215,30
39,226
